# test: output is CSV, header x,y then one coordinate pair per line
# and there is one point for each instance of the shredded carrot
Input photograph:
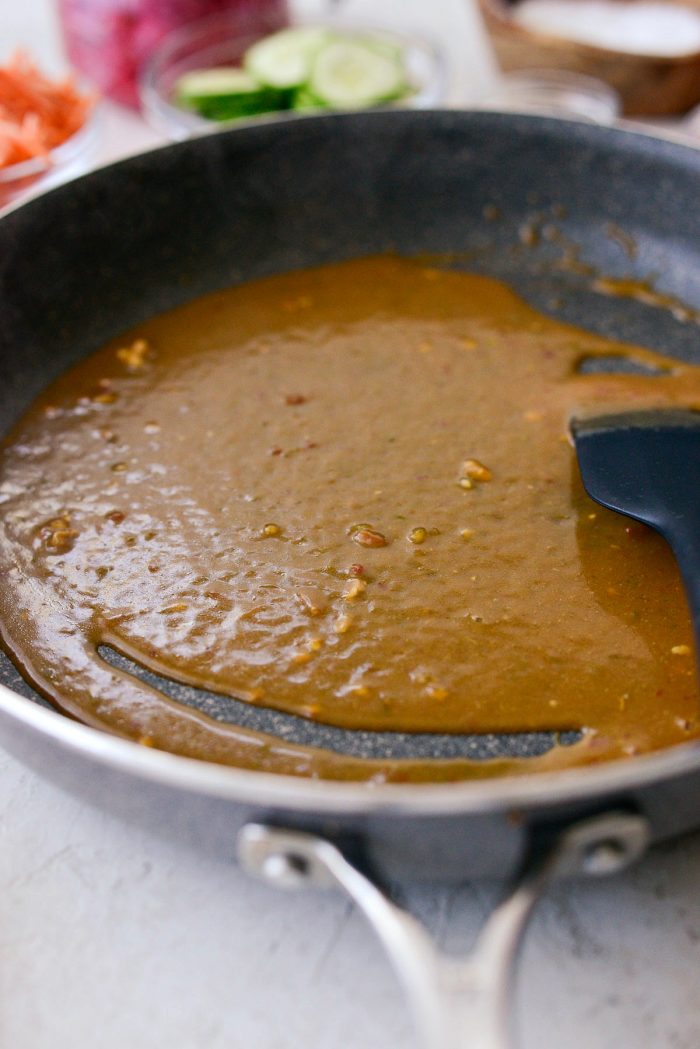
x,y
36,113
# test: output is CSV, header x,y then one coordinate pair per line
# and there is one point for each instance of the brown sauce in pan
x,y
348,494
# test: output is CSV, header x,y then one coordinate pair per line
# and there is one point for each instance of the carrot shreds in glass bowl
x,y
42,124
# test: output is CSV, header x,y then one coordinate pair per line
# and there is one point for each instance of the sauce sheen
x,y
348,494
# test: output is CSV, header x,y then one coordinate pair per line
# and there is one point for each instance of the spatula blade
x,y
647,465
643,464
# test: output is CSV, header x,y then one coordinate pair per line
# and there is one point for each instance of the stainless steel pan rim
x,y
296,794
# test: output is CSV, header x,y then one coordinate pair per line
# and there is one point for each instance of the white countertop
x,y
110,939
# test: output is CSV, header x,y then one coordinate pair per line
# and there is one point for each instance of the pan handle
x,y
458,1003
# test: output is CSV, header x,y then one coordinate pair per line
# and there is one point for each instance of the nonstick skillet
x,y
109,250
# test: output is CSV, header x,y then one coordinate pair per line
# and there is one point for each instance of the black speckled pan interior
x,y
541,204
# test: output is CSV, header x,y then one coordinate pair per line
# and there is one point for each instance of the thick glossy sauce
x,y
348,494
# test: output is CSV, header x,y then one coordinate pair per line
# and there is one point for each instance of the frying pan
x,y
82,263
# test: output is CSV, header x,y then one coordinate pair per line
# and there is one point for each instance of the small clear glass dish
x,y
220,41
557,93
71,158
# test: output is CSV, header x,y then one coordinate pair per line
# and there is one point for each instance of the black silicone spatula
x,y
647,465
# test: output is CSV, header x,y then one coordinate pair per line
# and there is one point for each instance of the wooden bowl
x,y
648,85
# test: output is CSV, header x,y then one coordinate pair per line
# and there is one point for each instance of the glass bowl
x,y
220,41
33,176
555,92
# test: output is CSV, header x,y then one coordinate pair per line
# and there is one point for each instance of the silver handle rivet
x,y
285,869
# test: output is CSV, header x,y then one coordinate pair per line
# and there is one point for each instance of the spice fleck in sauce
x,y
348,494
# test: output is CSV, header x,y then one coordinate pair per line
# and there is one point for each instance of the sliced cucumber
x,y
304,102
381,44
302,69
225,93
284,60
203,85
354,74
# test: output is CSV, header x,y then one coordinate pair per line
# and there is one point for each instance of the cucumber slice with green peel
x,y
354,74
381,44
236,109
225,93
303,101
284,59
205,84
303,69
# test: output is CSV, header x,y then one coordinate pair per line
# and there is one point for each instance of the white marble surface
x,y
110,939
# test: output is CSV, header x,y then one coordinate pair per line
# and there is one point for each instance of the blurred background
x,y
598,60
